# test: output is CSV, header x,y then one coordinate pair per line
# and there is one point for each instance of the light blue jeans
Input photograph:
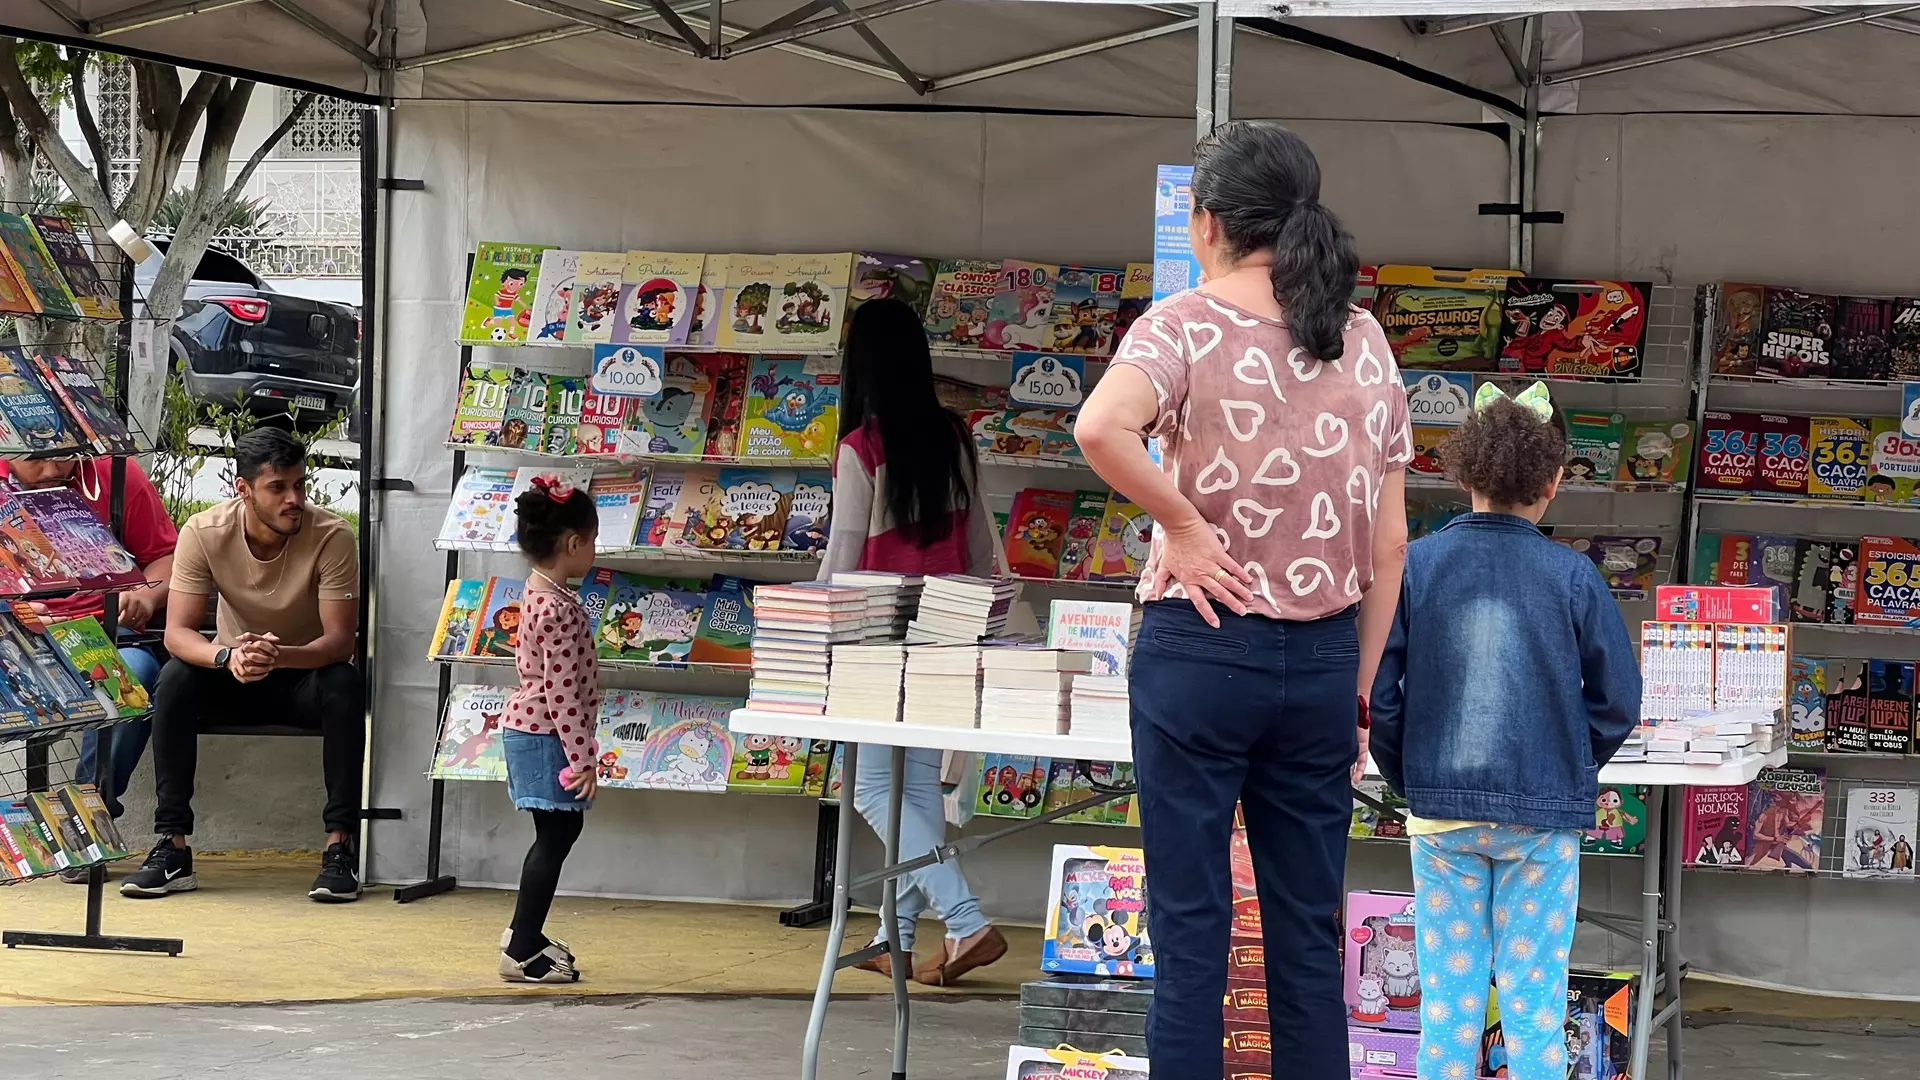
x,y
923,827
126,742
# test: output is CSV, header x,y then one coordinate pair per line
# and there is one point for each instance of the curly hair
x,y
1506,454
544,521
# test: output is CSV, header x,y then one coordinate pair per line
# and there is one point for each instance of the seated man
x,y
288,578
149,535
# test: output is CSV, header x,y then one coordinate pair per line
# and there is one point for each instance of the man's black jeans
x,y
329,700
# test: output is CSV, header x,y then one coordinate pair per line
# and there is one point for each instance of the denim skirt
x,y
533,772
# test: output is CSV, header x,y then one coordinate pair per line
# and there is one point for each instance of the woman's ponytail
x,y
1262,184
1314,264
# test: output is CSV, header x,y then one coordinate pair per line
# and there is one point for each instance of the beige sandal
x,y
562,970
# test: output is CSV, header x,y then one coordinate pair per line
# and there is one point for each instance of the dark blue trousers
x,y
1260,711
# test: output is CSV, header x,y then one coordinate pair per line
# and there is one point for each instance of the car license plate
x,y
310,401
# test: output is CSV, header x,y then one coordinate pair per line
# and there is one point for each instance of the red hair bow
x,y
556,489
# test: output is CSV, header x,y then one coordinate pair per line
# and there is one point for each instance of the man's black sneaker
x,y
168,869
338,882
76,875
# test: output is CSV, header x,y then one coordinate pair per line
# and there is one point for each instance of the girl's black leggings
x,y
554,832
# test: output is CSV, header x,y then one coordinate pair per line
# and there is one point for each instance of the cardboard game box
x,y
1382,971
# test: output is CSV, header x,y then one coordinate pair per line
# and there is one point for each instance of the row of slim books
x,y
702,507
1822,579
1076,535
64,672
637,402
49,831
635,617
1777,822
45,269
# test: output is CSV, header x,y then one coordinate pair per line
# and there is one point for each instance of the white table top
x,y
974,740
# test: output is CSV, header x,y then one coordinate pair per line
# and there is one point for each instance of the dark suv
x,y
239,341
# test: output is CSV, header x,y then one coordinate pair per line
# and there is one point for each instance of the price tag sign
x,y
1174,267
1438,398
1047,380
145,336
628,370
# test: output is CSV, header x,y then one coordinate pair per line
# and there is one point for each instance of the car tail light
x,y
247,309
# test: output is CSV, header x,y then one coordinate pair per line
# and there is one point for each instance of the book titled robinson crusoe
x,y
90,294
1785,814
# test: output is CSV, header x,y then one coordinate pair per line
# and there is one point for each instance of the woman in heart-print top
x,y
1280,534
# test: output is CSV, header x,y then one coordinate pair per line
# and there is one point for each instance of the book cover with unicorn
x,y
688,745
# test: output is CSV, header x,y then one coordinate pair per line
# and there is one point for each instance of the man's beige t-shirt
x,y
279,596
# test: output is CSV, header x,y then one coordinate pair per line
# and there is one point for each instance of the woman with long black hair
x,y
906,500
1279,540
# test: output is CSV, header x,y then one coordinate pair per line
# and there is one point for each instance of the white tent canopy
x,y
1784,159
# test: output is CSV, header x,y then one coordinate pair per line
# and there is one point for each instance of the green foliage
x,y
248,217
178,457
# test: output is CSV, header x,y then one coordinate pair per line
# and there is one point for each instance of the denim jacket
x,y
1508,678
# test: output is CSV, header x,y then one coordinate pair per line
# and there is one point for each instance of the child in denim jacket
x,y
1508,680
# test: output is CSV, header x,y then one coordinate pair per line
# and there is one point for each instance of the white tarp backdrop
x,y
1787,161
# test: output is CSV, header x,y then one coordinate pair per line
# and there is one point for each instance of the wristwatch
x,y
220,658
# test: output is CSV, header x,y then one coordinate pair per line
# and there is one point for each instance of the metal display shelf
x,y
1768,498
1021,461
609,664
595,460
649,551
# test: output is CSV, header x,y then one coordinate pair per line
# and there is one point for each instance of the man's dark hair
x,y
266,447
1506,453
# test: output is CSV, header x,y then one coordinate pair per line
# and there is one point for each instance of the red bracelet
x,y
1366,721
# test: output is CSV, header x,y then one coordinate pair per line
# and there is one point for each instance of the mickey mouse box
x,y
1096,922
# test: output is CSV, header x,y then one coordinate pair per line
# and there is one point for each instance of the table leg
x,y
889,922
837,930
1675,963
1650,875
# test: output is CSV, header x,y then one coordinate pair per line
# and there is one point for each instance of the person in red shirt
x,y
149,536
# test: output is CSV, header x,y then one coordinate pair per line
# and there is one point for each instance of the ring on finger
x,y
1220,574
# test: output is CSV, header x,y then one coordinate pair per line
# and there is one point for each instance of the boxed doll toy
x,y
1096,921
1066,1063
1382,972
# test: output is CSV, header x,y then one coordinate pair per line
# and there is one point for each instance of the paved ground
x,y
705,1038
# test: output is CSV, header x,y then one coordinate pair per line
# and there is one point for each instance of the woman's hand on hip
x,y
1193,557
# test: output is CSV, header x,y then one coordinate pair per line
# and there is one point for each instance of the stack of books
x,y
795,628
1713,738
962,610
943,685
1027,689
1100,707
865,683
892,600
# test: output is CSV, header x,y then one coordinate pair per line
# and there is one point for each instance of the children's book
x,y
1012,785
1797,342
1736,333
35,265
578,477
961,302
68,837
889,277
29,851
726,375
596,297
84,802
1119,811
500,292
747,510
698,487
1083,528
15,297
709,304
453,634
81,540
620,497
1593,446
1627,562
725,633
1807,704
1893,464
1890,707
1126,534
1097,913
656,518
1086,302
601,418
792,409
645,619
1783,454
688,745
1882,825
497,630
1593,329
774,764
1020,317
552,305
673,423
1619,821
30,407
90,294
1882,597
85,646
1785,813
659,298
566,398
470,739
744,316
621,732
483,406
27,553
1729,452
809,512
809,300
1441,319
1716,827
1101,628
1136,296
523,426
71,693
820,757
1839,450
1037,532
481,511
1656,452
85,404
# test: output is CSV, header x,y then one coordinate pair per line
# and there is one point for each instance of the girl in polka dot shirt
x,y
550,717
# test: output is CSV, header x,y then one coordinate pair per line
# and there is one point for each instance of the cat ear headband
x,y
1534,399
